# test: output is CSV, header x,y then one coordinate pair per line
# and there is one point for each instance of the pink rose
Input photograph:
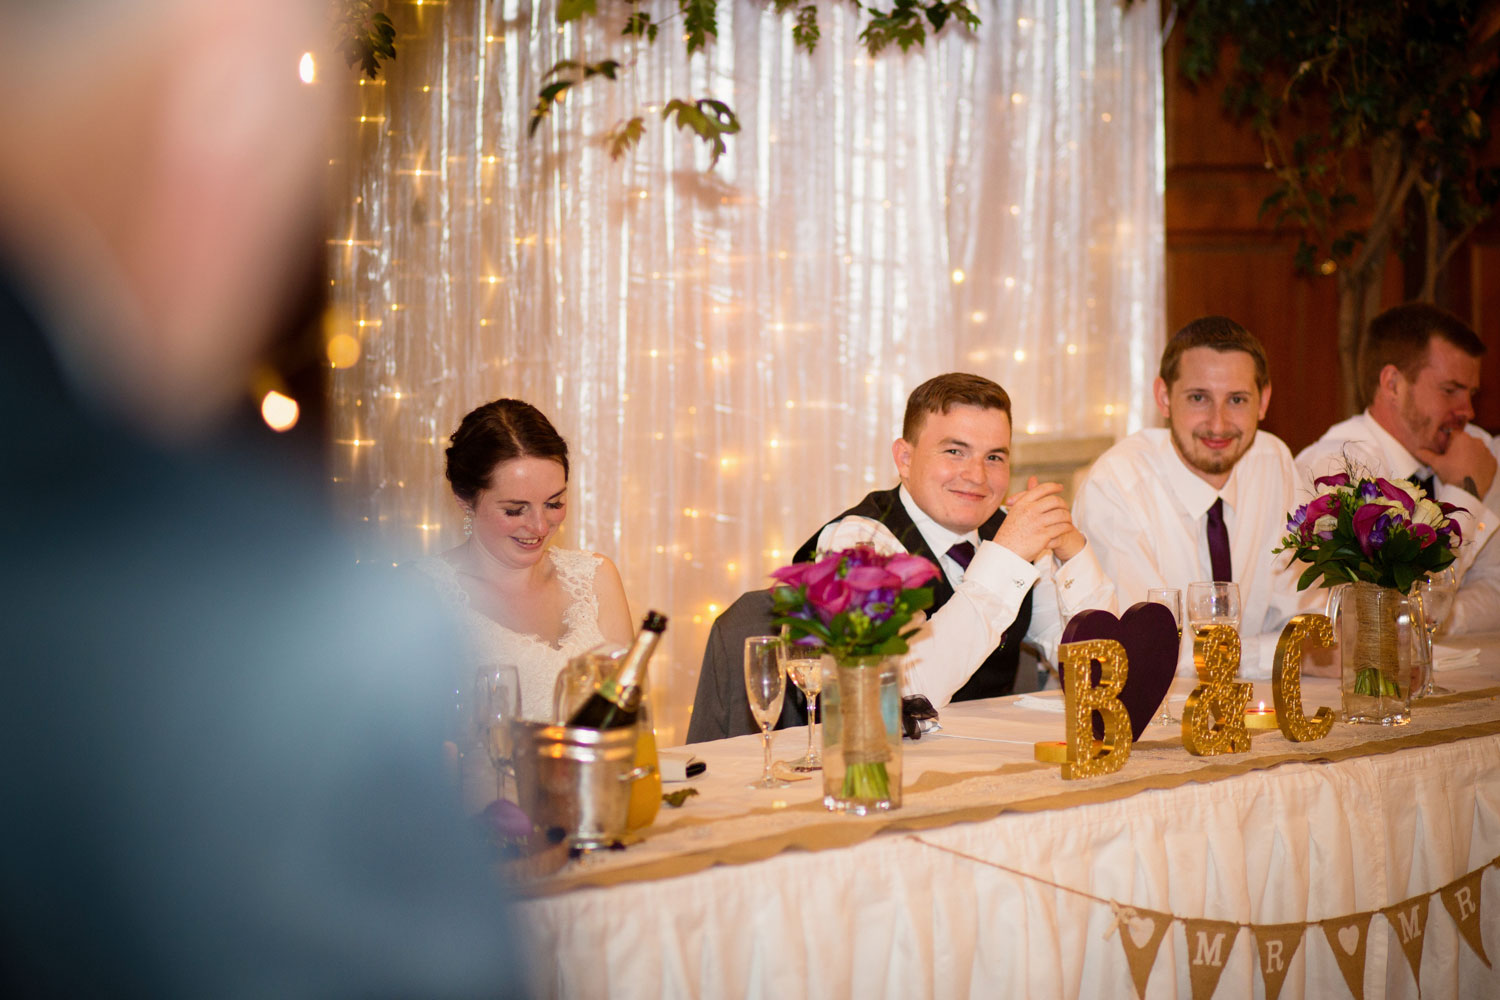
x,y
829,597
913,570
867,578
794,575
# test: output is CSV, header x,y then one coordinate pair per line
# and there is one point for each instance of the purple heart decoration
x,y
1149,634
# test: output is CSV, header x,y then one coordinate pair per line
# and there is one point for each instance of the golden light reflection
x,y
279,412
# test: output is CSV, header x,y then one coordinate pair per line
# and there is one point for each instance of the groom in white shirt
x,y
1419,372
1207,496
1006,575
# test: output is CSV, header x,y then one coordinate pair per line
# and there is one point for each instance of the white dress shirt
x,y
960,635
1145,512
1362,443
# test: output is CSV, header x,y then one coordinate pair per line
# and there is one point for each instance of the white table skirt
x,y
896,917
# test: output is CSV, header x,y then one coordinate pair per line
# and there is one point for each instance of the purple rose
x,y
913,570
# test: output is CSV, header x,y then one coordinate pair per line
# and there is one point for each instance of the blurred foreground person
x,y
219,749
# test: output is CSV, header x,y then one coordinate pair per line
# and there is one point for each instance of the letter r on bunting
x,y
1082,700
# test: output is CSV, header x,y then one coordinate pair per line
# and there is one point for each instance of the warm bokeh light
x,y
342,350
279,412
306,68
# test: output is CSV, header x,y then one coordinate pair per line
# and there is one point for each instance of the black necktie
x,y
962,553
1218,542
1427,483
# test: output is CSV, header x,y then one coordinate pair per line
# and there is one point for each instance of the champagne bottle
x,y
617,701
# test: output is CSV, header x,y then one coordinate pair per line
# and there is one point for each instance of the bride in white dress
x,y
519,599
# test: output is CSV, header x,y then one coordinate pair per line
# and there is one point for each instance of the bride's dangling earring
x,y
468,522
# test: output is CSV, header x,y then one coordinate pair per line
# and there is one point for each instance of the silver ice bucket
x,y
577,779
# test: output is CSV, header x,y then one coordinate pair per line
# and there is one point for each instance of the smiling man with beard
x,y
1206,497
1420,372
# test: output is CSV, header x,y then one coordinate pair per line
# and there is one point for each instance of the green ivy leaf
x,y
805,33
677,798
572,10
624,137
699,23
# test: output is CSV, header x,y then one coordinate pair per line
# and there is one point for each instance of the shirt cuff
x,y
1000,571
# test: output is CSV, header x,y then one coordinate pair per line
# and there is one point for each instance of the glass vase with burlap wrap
x,y
861,705
1382,645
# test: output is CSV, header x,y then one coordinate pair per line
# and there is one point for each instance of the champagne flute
x,y
497,703
765,684
1172,599
1436,591
1215,603
804,665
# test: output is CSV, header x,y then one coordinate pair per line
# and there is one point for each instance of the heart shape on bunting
x,y
1149,634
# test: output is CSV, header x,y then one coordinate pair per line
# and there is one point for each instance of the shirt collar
x,y
1196,495
1399,462
938,538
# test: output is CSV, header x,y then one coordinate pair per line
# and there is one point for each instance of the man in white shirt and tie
x,y
1207,496
1007,575
1419,374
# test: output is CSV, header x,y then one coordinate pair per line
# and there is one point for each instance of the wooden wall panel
x,y
1221,257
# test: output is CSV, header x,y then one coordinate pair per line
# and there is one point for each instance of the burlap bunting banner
x,y
1347,936
1408,922
1275,945
1461,899
1141,932
1209,943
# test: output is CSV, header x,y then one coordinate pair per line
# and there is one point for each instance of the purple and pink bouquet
x,y
1381,531
854,602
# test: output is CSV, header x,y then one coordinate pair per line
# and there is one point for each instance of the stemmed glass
x,y
497,703
765,684
1216,603
804,665
1172,599
1436,592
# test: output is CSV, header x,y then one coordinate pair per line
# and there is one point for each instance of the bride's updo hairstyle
x,y
498,432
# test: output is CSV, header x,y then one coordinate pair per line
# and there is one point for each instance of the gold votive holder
x,y
1261,717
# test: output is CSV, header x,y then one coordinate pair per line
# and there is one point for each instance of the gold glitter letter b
x,y
1083,700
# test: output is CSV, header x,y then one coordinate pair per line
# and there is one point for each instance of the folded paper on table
x,y
1449,658
1040,704
678,765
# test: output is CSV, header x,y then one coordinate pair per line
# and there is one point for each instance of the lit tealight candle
x,y
1262,716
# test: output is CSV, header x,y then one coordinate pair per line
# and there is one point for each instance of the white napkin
x,y
1040,704
674,763
1449,658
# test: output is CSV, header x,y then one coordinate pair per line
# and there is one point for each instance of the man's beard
x,y
1423,429
1203,460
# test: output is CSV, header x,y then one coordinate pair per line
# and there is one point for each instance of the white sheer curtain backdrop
x,y
728,352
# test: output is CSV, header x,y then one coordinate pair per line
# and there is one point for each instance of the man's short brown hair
x,y
942,393
1400,335
1219,333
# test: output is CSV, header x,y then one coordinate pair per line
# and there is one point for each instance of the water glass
x,y
765,685
497,703
1172,599
1436,592
1213,603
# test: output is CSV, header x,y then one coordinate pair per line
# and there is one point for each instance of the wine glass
x,y
497,703
1172,599
1216,603
1436,591
765,684
804,665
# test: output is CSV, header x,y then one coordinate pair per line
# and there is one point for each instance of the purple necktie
x,y
962,553
1218,542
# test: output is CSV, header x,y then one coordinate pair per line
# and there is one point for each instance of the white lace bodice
x,y
537,662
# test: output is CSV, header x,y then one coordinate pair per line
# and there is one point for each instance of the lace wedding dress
x,y
536,661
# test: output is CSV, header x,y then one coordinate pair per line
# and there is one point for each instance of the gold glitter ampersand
x,y
1286,679
1213,721
1083,700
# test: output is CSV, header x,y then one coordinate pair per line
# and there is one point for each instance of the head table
x,y
998,878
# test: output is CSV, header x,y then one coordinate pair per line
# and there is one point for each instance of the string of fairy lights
x,y
684,351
